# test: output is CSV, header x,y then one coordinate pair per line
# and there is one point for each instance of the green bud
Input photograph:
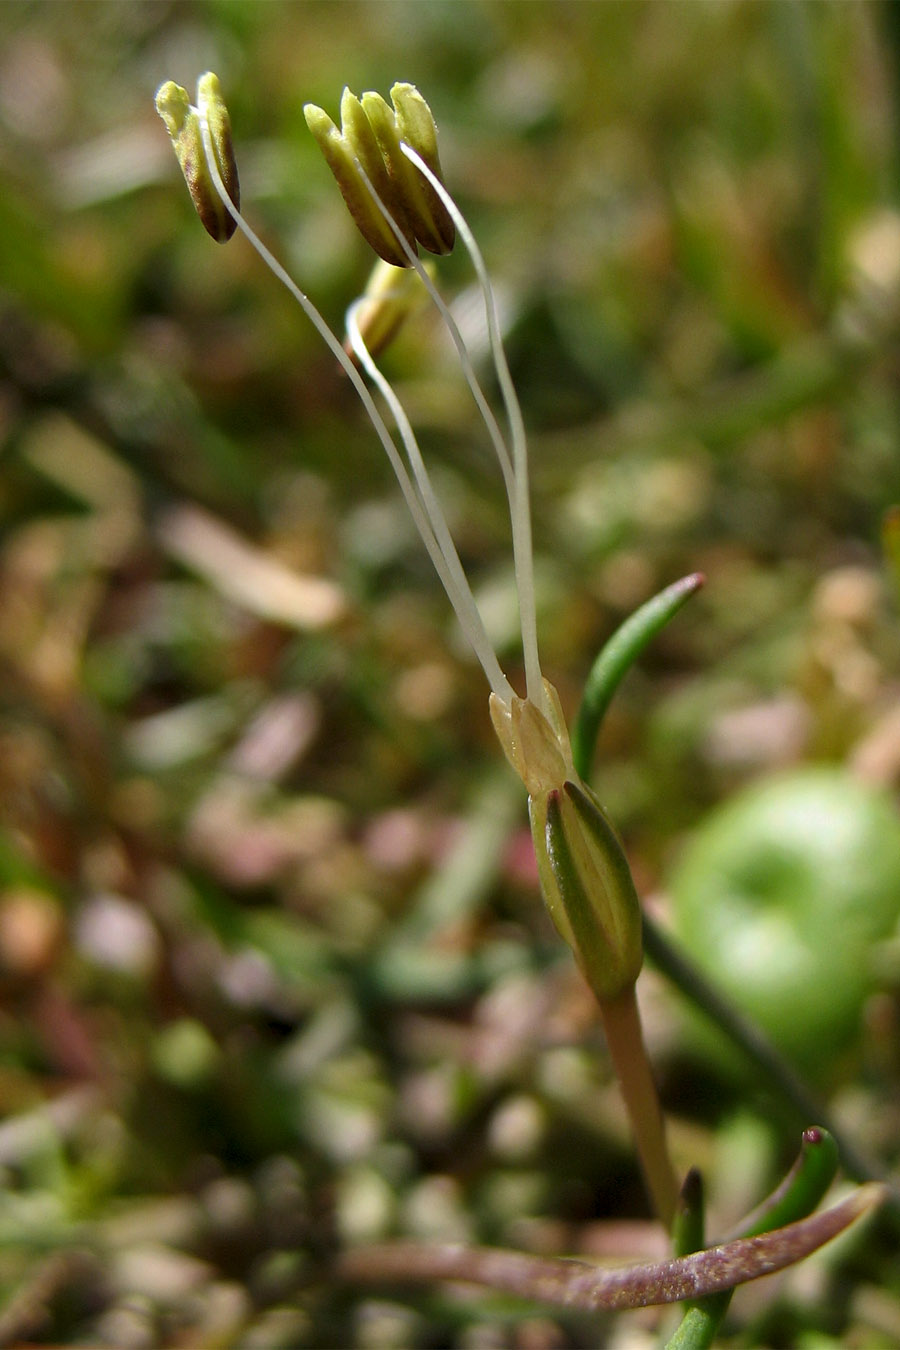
x,y
588,887
392,295
345,150
182,121
585,878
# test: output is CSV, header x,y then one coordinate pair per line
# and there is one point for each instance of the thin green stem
x,y
686,976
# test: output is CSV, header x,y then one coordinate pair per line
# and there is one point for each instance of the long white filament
x,y
520,507
446,563
430,502
462,351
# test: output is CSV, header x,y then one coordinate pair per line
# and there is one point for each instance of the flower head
x,y
385,161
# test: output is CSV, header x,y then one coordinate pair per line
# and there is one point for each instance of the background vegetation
x,y
274,973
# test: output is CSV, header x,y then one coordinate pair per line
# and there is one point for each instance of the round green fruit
x,y
780,897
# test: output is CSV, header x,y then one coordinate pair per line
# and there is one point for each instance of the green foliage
x,y
782,897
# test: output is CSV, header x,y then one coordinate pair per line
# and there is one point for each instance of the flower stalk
x,y
384,159
625,1041
589,891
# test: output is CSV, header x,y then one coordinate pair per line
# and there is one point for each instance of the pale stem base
x,y
624,1037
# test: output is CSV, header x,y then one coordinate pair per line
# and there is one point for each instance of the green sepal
x,y
589,889
538,808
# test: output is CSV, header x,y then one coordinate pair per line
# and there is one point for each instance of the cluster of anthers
x,y
385,160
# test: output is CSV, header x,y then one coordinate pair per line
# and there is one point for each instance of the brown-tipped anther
x,y
183,122
348,150
416,126
366,152
427,215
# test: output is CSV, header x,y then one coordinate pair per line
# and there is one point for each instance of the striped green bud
x,y
584,875
183,122
588,887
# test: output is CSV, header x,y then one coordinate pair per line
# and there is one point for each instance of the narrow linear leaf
x,y
803,1187
796,1196
575,1284
688,1226
617,657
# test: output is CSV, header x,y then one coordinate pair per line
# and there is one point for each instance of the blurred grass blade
x,y
890,542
